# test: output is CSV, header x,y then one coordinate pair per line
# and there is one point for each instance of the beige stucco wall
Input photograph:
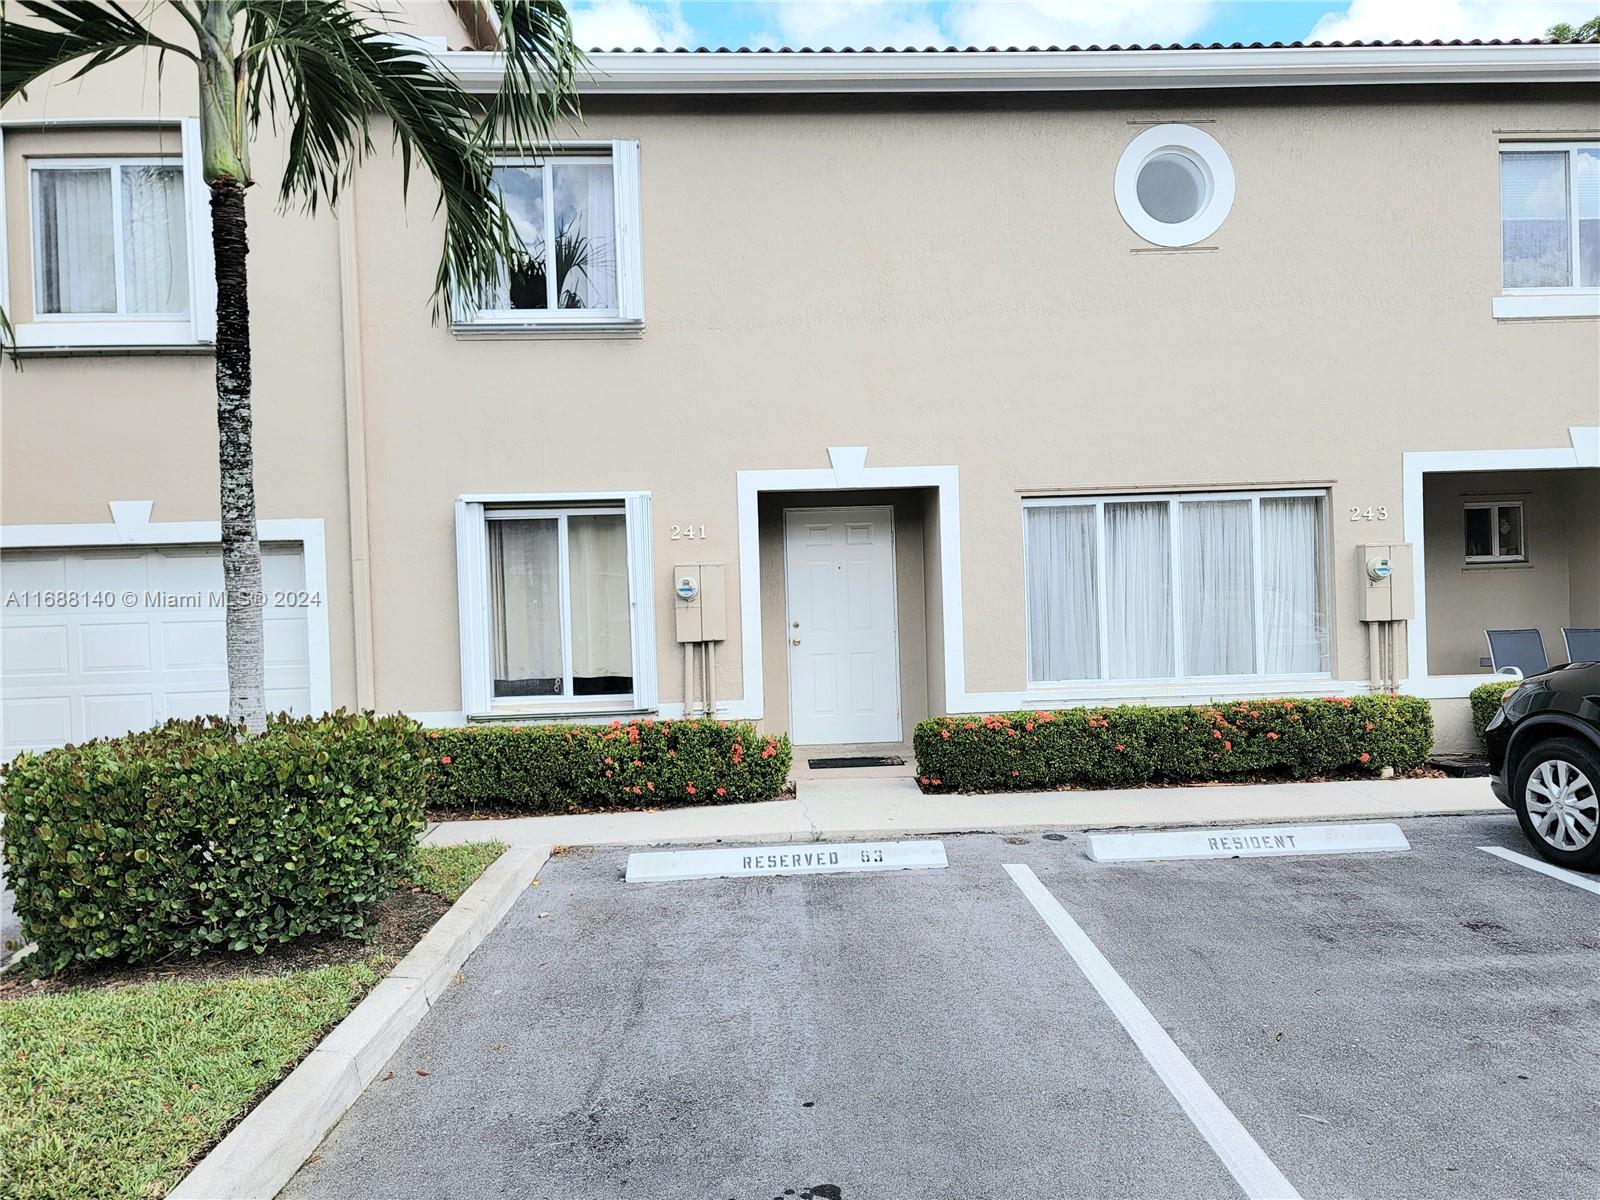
x,y
943,282
1464,599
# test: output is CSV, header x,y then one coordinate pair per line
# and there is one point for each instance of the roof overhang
x,y
901,71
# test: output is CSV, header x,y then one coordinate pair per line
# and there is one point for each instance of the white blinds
x,y
1237,588
1139,591
75,249
1063,622
597,562
1292,550
155,250
1218,632
1536,241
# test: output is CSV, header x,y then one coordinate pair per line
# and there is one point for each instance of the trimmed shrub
x,y
1485,701
1134,745
189,838
640,764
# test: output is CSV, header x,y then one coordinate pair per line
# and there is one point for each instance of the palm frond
x,y
542,64
323,70
64,31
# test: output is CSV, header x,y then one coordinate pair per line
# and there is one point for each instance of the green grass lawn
x,y
448,871
111,1092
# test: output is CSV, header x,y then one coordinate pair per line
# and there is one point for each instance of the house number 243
x,y
1370,513
686,533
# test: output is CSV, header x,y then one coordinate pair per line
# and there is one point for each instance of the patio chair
x,y
1583,645
1516,651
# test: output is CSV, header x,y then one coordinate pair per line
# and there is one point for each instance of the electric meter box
x,y
1383,572
699,602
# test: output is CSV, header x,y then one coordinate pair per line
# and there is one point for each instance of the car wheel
x,y
1558,802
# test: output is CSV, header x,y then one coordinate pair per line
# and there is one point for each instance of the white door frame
x,y
894,608
131,526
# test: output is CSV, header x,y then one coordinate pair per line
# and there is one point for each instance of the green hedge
x,y
1485,701
570,768
1133,745
188,838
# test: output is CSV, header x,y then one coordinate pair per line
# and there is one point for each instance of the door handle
x,y
794,641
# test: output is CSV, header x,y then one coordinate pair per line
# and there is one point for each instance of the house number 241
x,y
686,533
1369,513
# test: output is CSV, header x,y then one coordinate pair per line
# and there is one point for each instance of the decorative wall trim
x,y
130,525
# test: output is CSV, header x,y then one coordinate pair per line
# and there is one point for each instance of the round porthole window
x,y
1174,185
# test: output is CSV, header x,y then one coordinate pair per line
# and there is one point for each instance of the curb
x,y
262,1153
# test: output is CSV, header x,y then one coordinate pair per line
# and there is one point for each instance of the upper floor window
x,y
1158,588
1550,229
110,237
105,241
575,215
1174,185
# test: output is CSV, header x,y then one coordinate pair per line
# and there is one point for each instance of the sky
x,y
860,23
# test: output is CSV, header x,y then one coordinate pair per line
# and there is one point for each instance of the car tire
x,y
1557,800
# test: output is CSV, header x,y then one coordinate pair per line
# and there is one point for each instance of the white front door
x,y
844,661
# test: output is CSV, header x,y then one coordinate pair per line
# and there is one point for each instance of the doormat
x,y
866,760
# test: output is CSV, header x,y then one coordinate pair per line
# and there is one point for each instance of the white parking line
x,y
1544,868
1239,1152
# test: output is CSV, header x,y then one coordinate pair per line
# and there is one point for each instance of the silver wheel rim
x,y
1563,807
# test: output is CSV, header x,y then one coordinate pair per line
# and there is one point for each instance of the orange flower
x,y
1120,746
434,734
936,782
722,791
945,734
445,759
1366,758
1271,736
1216,733
1014,774
608,774
1028,725
1370,726
1227,745
689,787
649,786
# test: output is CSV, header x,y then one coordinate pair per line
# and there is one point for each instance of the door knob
x,y
794,641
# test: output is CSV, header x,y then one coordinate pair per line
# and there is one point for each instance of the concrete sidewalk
x,y
889,808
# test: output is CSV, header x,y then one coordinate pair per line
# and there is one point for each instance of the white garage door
x,y
138,640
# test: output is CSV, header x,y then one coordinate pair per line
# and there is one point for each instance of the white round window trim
x,y
1201,150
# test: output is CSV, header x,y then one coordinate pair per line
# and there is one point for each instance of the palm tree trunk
x,y
241,549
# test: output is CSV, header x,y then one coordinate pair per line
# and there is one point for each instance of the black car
x,y
1544,754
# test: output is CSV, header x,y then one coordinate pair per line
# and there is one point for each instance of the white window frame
x,y
1175,559
113,332
1200,148
112,166
472,516
1573,300
628,317
1494,507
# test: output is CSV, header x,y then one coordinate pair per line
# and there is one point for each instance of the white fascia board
x,y
644,72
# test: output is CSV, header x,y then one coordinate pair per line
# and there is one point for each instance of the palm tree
x,y
321,71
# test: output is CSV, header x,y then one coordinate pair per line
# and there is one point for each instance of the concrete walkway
x,y
888,808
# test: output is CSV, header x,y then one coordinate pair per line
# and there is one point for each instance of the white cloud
x,y
855,23
1076,22
1389,20
610,23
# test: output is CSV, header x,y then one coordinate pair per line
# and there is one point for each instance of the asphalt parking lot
x,y
1424,1023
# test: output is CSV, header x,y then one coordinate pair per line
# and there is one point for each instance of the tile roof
x,y
1070,49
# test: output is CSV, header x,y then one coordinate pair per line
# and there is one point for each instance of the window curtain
x,y
76,266
524,592
602,630
586,231
1063,624
155,277
1139,591
1292,554
1218,629
1535,232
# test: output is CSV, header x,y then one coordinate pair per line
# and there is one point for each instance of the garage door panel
x,y
186,706
287,643
32,572
120,647
187,645
33,724
119,572
33,652
129,662
114,715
